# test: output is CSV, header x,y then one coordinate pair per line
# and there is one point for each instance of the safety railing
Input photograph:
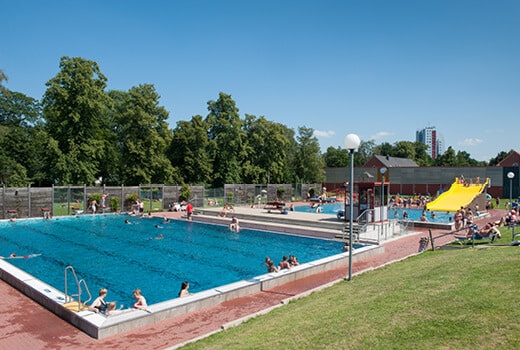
x,y
79,283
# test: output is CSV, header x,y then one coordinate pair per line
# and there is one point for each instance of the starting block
x,y
11,213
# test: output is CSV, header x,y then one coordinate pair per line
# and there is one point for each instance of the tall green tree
x,y
188,151
499,157
336,157
384,149
421,157
74,107
266,149
364,152
18,116
308,165
448,158
144,138
464,159
404,149
226,136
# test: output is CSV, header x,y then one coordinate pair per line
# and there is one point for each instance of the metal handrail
x,y
69,298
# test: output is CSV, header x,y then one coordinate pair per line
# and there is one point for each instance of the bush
x,y
114,204
280,192
96,197
131,199
185,193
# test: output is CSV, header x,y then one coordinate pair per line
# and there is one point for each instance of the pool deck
x,y
27,325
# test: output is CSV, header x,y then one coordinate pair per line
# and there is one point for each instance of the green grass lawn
x,y
446,299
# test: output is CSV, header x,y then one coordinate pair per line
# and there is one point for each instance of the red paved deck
x,y
24,324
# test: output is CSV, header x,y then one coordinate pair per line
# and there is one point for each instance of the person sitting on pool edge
x,y
270,265
293,261
140,301
99,305
183,292
284,264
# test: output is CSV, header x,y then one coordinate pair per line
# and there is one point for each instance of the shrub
x,y
114,204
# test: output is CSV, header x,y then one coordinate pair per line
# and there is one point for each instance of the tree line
x,y
80,133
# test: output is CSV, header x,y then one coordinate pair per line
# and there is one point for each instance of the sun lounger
x,y
474,235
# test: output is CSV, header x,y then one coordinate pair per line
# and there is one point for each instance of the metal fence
x,y
25,202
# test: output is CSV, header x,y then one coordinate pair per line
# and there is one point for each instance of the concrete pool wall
x,y
99,326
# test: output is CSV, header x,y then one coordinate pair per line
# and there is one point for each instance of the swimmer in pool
x,y
184,291
14,256
234,225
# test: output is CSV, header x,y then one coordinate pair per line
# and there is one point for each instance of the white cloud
x,y
319,133
380,135
471,142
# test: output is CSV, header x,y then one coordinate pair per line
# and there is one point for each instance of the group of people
x,y
94,205
464,218
286,263
228,208
419,201
138,207
100,305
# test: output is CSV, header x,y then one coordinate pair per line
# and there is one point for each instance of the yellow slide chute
x,y
459,195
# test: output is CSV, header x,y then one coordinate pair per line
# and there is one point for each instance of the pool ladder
x,y
79,283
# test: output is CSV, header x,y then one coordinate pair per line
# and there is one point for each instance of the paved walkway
x,y
24,324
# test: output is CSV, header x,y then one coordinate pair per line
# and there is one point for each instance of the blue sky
x,y
381,69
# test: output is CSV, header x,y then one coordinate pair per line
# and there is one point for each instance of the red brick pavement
x,y
25,324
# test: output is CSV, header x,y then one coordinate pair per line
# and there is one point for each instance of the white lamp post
x,y
383,171
511,176
351,142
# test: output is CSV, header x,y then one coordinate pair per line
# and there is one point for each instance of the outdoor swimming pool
x,y
413,213
106,252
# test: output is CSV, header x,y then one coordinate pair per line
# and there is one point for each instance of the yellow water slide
x,y
459,195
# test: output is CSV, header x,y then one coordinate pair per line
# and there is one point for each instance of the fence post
x,y
3,202
29,200
52,200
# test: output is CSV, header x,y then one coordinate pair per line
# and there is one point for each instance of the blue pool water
x,y
326,208
413,213
106,252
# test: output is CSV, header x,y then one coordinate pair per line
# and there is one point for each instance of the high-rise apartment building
x,y
431,138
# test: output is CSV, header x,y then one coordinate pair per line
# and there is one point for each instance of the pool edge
x,y
100,327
